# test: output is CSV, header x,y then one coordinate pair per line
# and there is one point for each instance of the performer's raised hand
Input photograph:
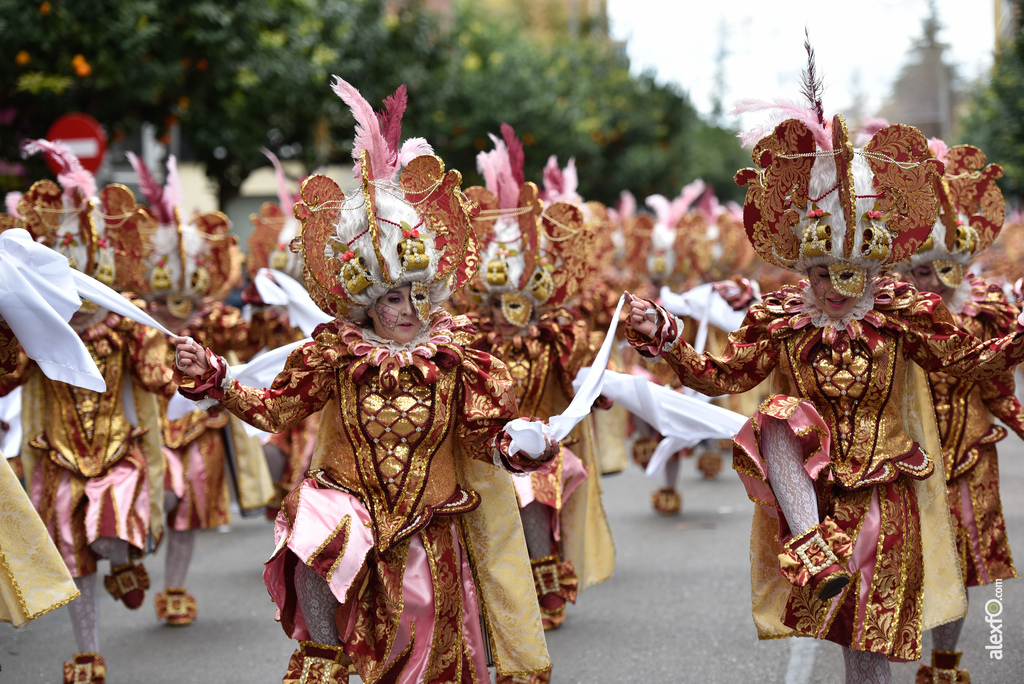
x,y
190,357
643,317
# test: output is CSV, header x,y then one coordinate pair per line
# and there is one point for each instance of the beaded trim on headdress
x,y
184,264
971,215
535,255
814,200
431,244
98,232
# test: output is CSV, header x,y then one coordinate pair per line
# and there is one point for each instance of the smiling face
x,y
394,317
830,301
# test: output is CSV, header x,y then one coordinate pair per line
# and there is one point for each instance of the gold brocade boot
x,y
667,501
315,663
176,606
710,463
643,449
128,584
818,556
556,584
543,677
85,668
943,670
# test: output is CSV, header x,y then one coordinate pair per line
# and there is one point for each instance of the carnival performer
x,y
92,460
405,532
595,304
851,538
534,259
970,218
37,298
274,227
185,268
668,249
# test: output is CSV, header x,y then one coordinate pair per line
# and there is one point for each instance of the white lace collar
x,y
821,319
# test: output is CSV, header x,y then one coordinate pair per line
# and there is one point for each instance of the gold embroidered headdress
x,y
273,229
815,200
535,255
99,232
971,213
409,224
184,264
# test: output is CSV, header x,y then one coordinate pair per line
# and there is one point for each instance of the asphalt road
x,y
677,609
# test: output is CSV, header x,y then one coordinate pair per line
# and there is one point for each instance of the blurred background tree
x,y
232,77
995,119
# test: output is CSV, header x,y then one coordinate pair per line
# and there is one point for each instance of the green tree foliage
x,y
237,76
994,121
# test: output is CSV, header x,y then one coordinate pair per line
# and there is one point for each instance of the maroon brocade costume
x,y
398,426
92,477
965,410
843,392
194,445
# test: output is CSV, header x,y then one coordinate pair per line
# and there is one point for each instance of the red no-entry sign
x,y
84,135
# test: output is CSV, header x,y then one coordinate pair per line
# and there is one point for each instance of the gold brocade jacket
x,y
222,329
392,419
9,348
87,432
543,360
964,408
855,377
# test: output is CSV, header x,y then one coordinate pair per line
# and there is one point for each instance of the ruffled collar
x,y
433,349
801,309
968,294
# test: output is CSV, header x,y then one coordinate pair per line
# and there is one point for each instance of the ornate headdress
x,y
534,256
184,264
409,225
274,228
730,251
99,232
971,212
815,200
673,243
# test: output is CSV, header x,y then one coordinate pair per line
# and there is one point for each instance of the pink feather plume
x,y
939,148
779,111
553,180
72,176
690,192
709,207
516,158
412,148
11,200
368,134
391,121
627,204
661,207
496,168
284,196
151,190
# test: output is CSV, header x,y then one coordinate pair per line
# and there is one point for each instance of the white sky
x,y
863,41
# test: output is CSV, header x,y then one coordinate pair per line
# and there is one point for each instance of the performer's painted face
x,y
394,317
506,327
926,279
830,301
